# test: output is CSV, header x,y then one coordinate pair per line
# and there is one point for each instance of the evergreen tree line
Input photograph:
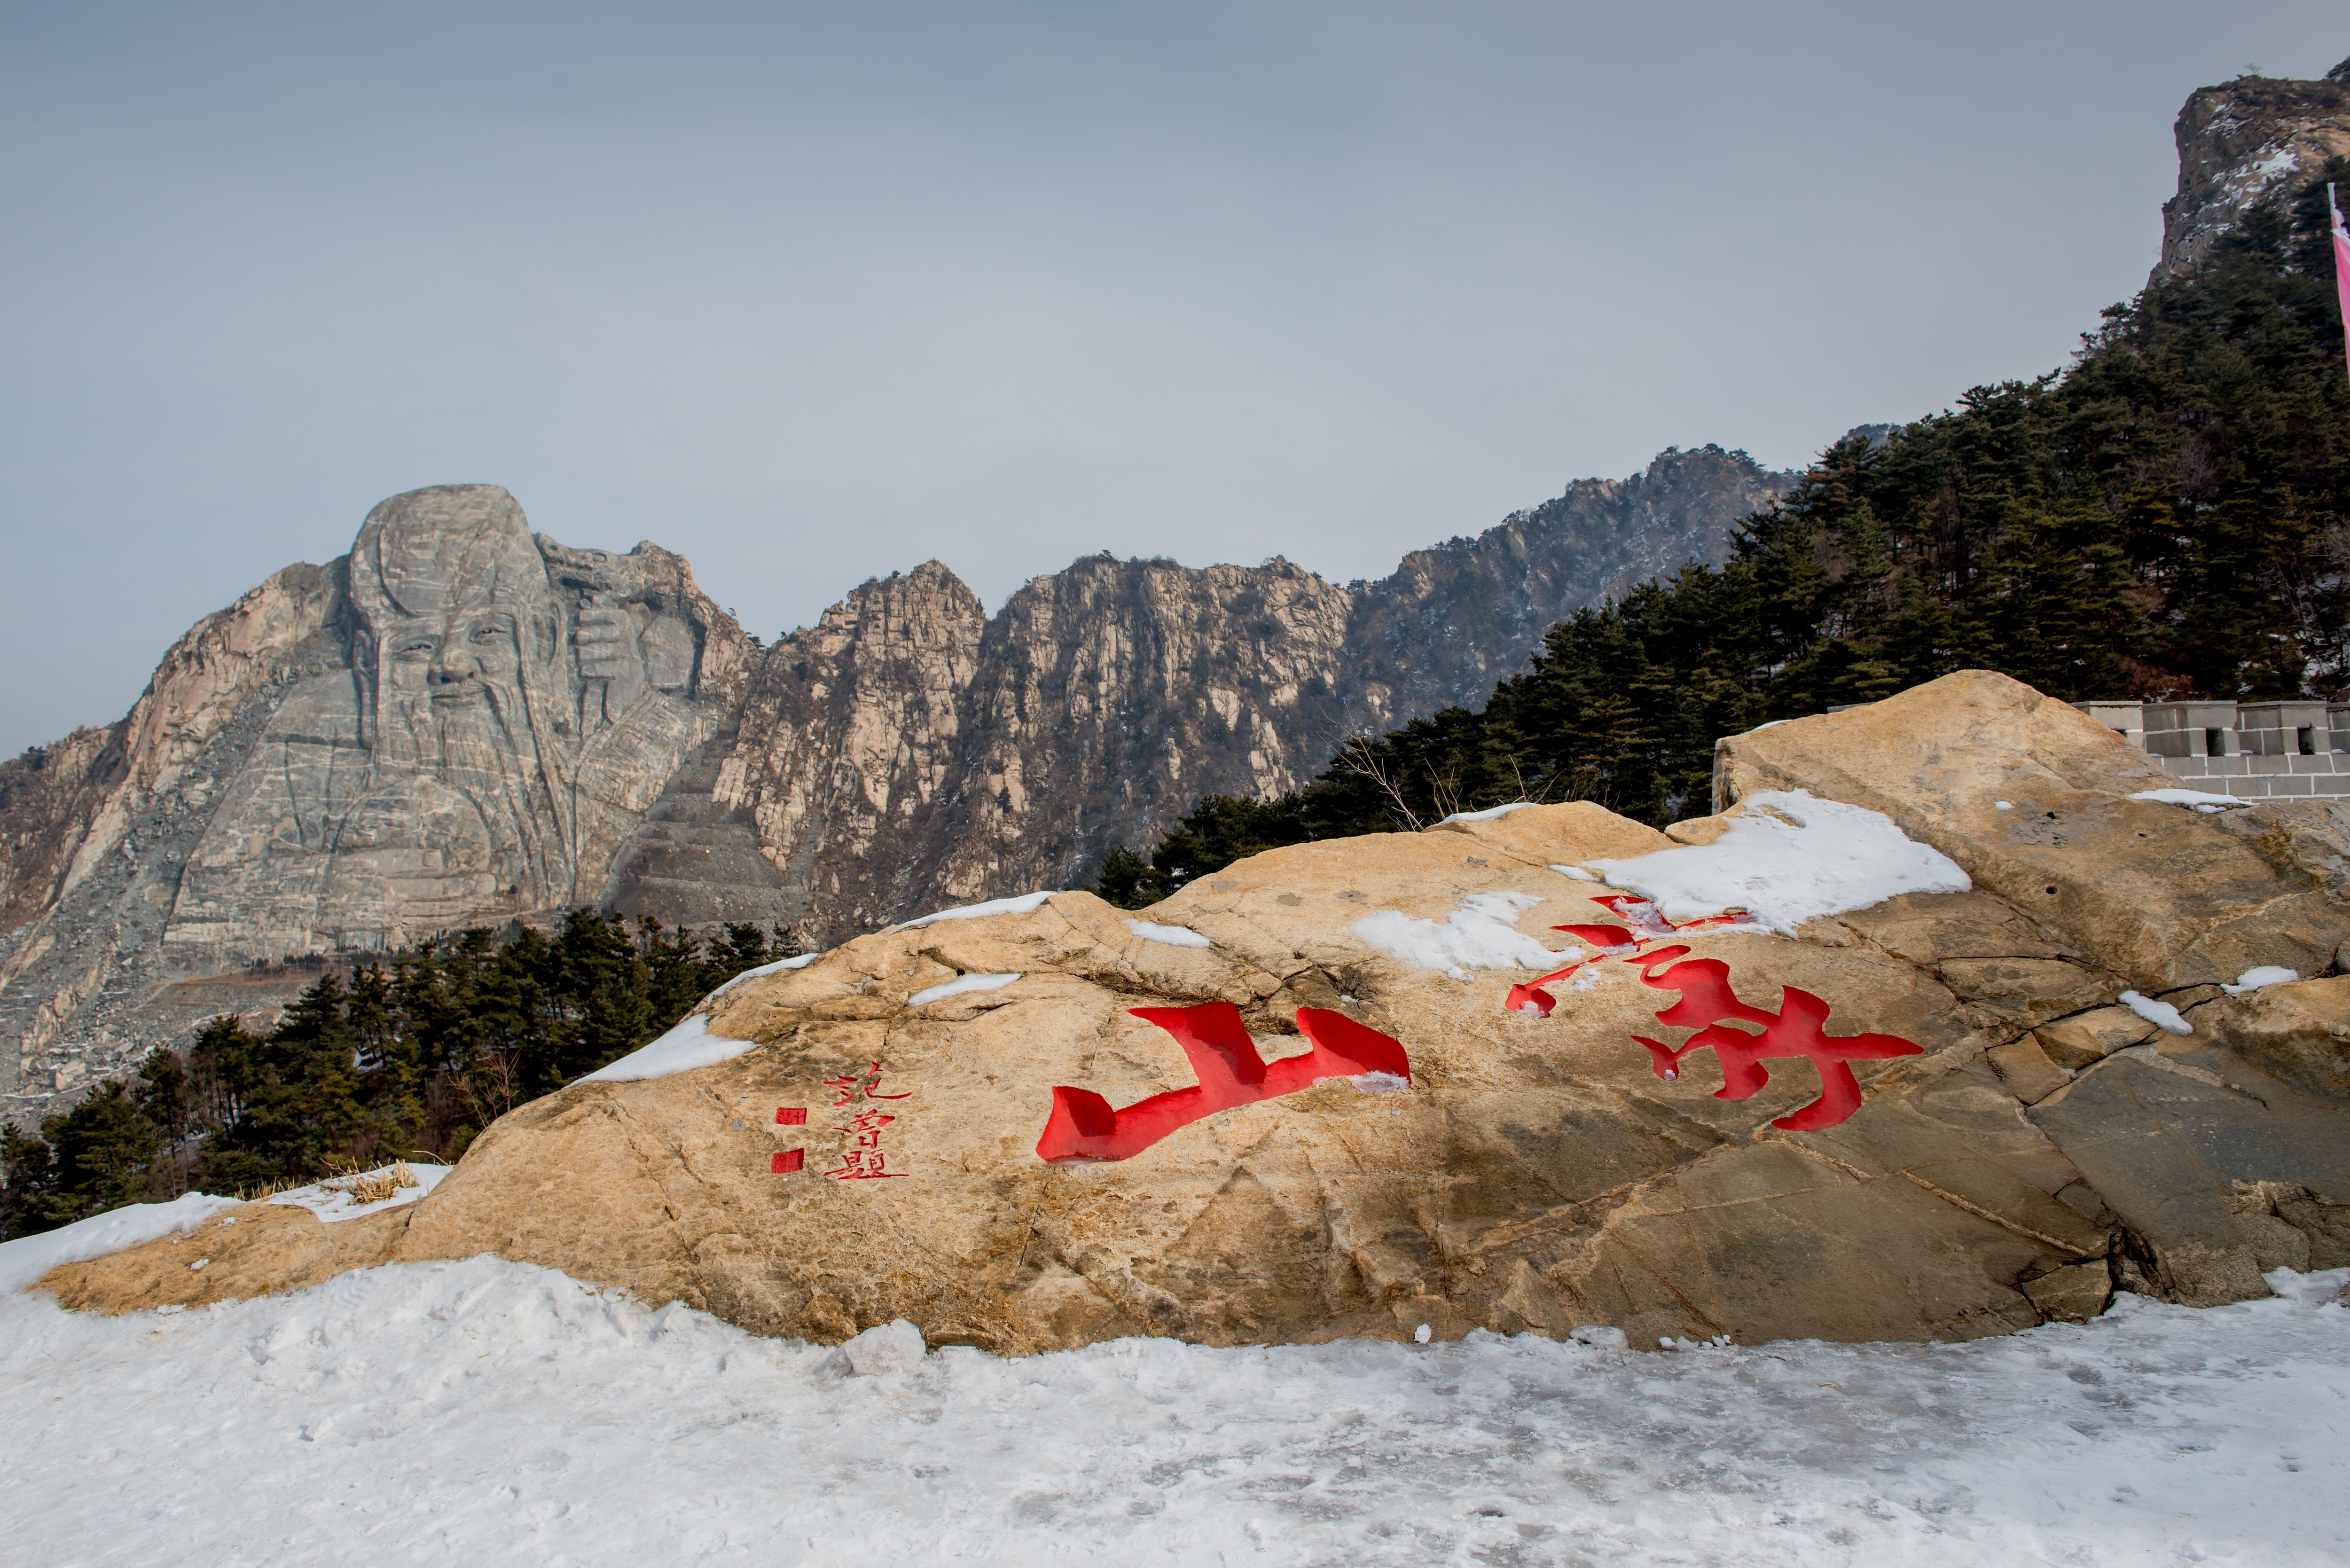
x,y
409,1060
2168,517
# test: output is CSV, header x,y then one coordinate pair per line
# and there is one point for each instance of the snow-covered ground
x,y
485,1411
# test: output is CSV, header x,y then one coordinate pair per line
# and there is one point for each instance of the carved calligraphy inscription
x,y
1708,1004
1083,1127
862,1157
1793,1031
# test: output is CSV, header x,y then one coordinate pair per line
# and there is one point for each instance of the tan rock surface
x,y
2087,1038
2299,1032
1537,1175
252,1249
2026,1070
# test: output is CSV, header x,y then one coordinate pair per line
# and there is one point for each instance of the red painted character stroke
x,y
1083,1127
1708,1005
1793,1031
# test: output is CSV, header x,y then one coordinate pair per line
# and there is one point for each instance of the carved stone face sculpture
x,y
462,687
512,709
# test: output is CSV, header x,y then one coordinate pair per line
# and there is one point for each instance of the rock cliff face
x,y
462,723
908,748
458,725
2240,141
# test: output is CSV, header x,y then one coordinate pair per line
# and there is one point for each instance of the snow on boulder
x,y
28,1258
895,1347
1790,858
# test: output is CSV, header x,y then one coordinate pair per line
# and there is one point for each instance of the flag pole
x,y
2341,266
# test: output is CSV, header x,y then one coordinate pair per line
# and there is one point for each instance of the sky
x,y
813,294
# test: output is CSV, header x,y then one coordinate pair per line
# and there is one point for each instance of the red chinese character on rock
x,y
861,1087
861,1158
1708,1005
1793,1031
861,1165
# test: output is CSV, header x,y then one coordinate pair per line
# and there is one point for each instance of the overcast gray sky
x,y
814,293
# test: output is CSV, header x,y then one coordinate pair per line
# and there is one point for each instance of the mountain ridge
x,y
324,770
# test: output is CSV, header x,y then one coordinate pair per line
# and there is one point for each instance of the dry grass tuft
x,y
374,1186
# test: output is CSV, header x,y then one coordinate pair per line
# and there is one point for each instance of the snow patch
x,y
2201,800
1796,859
331,1202
499,1411
2267,974
776,968
1480,934
1488,815
1577,872
689,1045
895,1347
959,986
1379,1084
27,1258
2161,1014
1173,936
1025,904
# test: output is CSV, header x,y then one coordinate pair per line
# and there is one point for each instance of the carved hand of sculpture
x,y
611,664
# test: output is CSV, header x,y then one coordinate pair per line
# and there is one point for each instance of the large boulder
x,y
1359,1087
1536,1172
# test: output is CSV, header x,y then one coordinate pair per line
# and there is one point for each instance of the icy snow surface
x,y
1823,858
2267,974
2161,1014
1025,904
332,1203
27,1258
2200,800
959,986
1488,815
486,1411
689,1045
1577,872
776,968
1480,934
1173,936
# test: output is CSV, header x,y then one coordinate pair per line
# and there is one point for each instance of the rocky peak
x,y
464,722
2241,141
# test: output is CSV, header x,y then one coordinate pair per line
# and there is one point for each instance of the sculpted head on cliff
x,y
464,698
457,625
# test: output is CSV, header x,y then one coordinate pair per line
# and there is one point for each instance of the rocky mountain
x,y
2241,141
462,723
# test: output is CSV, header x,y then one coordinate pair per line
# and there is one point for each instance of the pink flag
x,y
2341,267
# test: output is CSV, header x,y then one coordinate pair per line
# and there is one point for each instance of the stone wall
x,y
2253,751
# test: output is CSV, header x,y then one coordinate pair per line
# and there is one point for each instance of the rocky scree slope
x,y
901,1131
278,791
